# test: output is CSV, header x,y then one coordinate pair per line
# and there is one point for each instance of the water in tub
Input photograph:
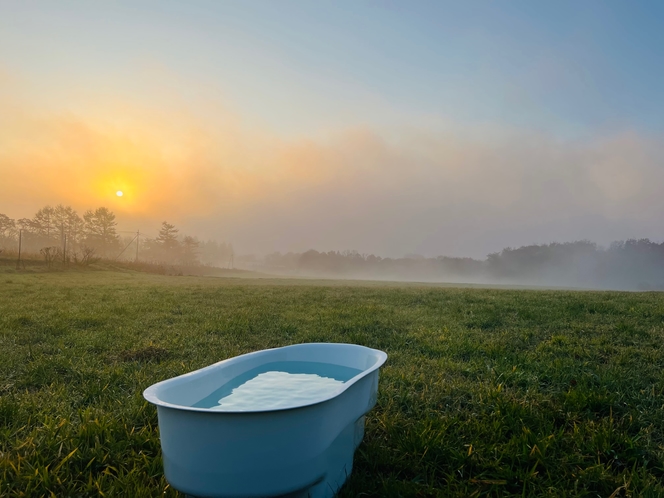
x,y
279,385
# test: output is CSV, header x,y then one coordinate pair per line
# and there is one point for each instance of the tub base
x,y
339,464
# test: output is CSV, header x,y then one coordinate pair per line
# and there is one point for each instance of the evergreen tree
x,y
8,232
24,224
189,250
100,231
168,237
43,222
75,227
67,222
7,226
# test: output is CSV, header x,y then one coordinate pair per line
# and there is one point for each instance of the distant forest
x,y
60,234
629,265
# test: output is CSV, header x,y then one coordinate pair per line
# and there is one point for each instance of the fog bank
x,y
624,265
445,189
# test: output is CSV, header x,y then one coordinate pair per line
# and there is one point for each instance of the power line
x,y
130,243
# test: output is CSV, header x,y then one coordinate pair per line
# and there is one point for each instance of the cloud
x,y
458,191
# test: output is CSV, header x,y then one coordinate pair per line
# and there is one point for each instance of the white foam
x,y
273,390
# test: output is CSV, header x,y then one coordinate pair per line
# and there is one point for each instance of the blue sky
x,y
526,85
567,67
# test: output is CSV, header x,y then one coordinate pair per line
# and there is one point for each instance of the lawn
x,y
486,392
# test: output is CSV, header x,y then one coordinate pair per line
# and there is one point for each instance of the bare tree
x,y
50,254
87,256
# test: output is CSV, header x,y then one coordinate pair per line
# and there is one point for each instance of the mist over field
x,y
60,236
625,265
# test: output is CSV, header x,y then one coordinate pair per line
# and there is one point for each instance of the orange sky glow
x,y
232,177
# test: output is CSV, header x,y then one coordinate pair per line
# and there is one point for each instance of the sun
x,y
119,193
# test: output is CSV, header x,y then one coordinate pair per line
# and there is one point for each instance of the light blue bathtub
x,y
217,443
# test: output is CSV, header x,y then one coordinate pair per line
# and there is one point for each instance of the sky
x,y
432,128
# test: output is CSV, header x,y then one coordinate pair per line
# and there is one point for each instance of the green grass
x,y
485,392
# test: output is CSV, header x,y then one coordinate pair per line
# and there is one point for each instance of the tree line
x,y
632,264
60,233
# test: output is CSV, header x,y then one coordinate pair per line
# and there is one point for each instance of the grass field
x,y
485,392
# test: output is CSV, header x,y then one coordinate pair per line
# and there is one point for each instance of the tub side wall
x,y
265,453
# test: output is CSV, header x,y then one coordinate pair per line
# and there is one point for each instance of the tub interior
x,y
279,385
271,379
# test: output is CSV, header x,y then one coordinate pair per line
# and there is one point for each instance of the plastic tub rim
x,y
151,393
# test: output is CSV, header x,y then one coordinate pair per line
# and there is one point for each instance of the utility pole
x,y
137,235
20,239
64,250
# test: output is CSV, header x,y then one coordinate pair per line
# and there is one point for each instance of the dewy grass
x,y
485,392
